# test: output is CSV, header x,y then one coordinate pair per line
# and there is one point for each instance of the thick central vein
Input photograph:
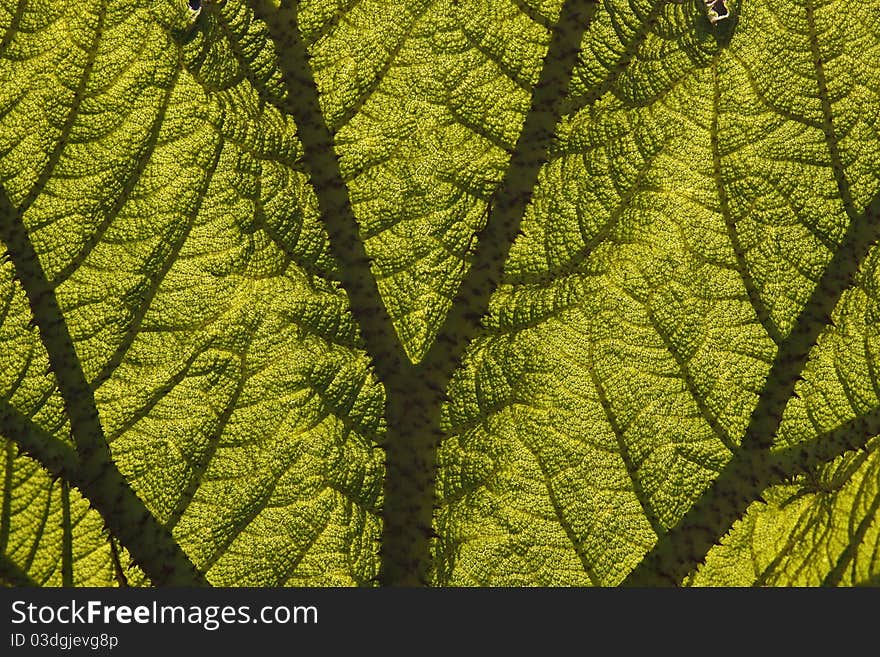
x,y
415,393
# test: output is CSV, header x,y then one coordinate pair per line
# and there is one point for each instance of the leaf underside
x,y
675,380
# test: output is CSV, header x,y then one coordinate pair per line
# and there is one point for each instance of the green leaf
x,y
819,531
449,292
675,268
176,228
426,100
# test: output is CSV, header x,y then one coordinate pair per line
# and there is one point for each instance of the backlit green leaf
x,y
447,292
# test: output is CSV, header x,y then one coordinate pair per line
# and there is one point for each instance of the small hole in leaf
x,y
195,5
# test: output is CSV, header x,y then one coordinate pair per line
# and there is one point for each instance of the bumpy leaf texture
x,y
676,380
